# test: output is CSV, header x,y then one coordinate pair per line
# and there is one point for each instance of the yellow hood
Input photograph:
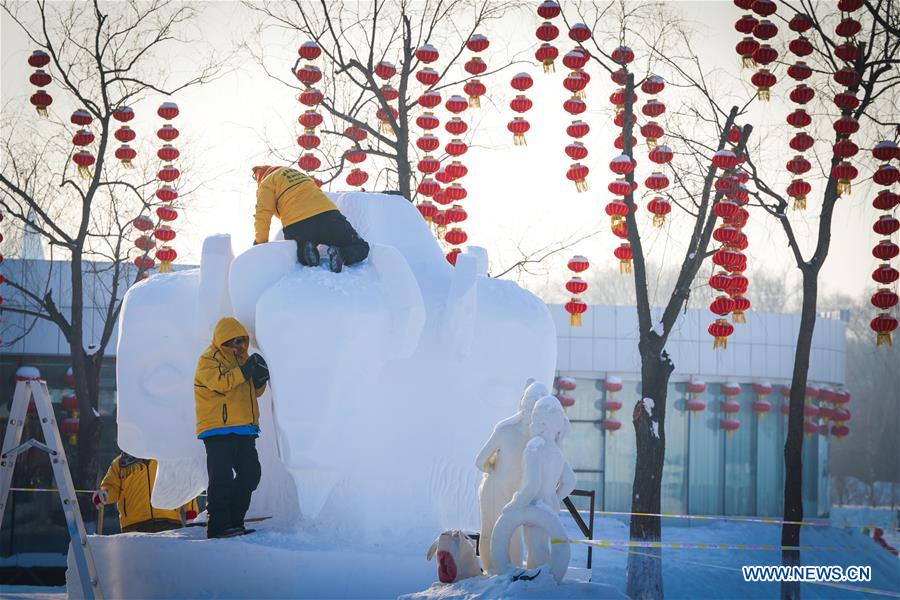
x,y
226,329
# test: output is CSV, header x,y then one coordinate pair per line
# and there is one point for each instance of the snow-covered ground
x,y
272,563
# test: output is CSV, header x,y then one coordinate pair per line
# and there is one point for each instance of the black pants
x,y
152,526
333,229
234,472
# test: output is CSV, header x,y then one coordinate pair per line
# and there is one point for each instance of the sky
x,y
519,199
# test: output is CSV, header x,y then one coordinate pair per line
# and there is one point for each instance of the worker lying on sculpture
x,y
501,461
307,216
129,483
546,480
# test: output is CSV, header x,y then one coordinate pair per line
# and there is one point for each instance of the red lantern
x,y
166,193
83,159
801,46
428,187
309,162
617,210
384,121
144,263
720,330
39,59
575,59
307,141
123,114
452,255
724,159
661,155
729,426
800,23
845,173
521,82
82,137
166,257
355,133
886,225
578,129
575,82
798,165
846,126
429,165
764,8
848,27
578,173
456,104
798,190
441,219
799,71
575,307
847,77
475,66
457,214
578,264
428,143
886,150
427,121
389,92
653,108
355,155
653,85
579,32
625,256
166,213
309,50
883,325
576,285
385,69
478,43
547,32
620,187
126,154
81,118
546,54
456,126
144,243
427,76
745,48
430,99
845,148
722,305
40,78
167,133
657,181
801,94
520,104
652,131
41,100
456,170
659,207
576,151
456,192
763,80
565,400
455,236
621,165
846,101
885,250
427,209
167,110
357,177
143,223
548,9
456,147
884,299
427,53
847,52
886,175
885,274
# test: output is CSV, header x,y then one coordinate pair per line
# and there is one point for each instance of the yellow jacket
x,y
130,487
223,397
291,196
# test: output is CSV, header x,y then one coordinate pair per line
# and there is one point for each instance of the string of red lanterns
x,y
520,104
886,276
730,407
546,33
799,119
309,75
576,286
428,143
82,138
754,48
168,174
847,52
40,79
564,385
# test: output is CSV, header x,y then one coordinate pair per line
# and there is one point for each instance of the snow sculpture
x,y
546,480
501,461
383,377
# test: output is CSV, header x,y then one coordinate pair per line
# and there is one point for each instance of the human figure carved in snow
x,y
501,461
546,480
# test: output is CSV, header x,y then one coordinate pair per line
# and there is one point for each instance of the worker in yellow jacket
x,y
227,384
307,217
129,483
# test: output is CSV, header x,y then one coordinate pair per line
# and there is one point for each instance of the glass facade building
x,y
708,471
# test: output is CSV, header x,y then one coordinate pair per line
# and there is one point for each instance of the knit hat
x,y
260,172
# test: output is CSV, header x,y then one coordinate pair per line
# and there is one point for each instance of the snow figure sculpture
x,y
361,418
501,461
546,480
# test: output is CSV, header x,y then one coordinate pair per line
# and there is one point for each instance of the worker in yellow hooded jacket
x,y
129,483
227,384
307,217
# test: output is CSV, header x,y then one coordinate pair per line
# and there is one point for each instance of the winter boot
x,y
227,533
335,260
308,254
245,531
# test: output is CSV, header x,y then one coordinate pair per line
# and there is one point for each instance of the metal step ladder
x,y
37,390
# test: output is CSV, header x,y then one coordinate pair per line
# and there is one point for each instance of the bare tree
x,y
100,58
856,82
355,38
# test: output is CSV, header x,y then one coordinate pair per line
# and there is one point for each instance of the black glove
x,y
249,366
260,371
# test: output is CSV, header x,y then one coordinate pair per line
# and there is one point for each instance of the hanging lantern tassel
x,y
575,308
625,265
883,338
738,316
519,139
800,202
659,220
843,185
84,172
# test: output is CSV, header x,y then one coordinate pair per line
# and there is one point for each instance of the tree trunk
x,y
793,447
404,172
87,388
644,571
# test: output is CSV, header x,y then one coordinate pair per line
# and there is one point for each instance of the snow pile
x,y
386,378
542,586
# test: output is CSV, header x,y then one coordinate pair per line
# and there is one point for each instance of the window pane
x,y
583,447
738,480
705,494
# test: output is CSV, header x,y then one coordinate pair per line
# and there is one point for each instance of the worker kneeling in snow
x,y
307,217
129,483
227,384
